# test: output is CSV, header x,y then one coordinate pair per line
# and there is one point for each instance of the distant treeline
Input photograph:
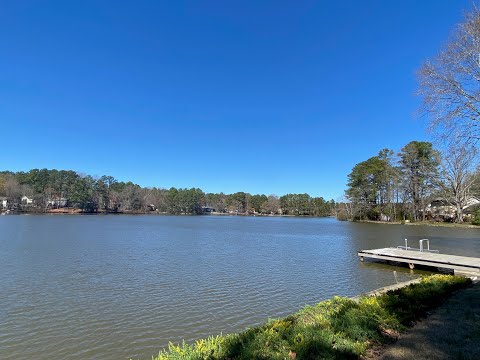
x,y
44,190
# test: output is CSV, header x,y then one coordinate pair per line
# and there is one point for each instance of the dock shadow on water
x,y
402,271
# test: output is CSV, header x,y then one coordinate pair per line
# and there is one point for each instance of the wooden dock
x,y
461,265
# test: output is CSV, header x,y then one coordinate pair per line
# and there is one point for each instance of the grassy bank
x,y
339,328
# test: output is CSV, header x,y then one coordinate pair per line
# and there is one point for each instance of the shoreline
x,y
153,213
385,289
336,328
420,223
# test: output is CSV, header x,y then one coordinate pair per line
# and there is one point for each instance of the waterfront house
x,y
4,202
26,200
207,210
443,209
57,202
473,201
151,207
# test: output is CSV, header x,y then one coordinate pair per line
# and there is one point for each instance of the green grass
x,y
339,328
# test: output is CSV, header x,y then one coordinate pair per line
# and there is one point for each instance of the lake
x,y
120,287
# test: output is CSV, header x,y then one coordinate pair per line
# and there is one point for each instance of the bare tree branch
x,y
450,83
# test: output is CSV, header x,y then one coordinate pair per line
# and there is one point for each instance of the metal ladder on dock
x,y
421,247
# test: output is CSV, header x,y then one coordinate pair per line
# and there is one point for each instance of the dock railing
x,y
421,246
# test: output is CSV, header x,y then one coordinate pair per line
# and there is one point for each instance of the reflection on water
x,y
115,287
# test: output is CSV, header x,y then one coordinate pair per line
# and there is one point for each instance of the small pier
x,y
461,265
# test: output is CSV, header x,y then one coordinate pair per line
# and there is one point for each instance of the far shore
x,y
77,211
424,223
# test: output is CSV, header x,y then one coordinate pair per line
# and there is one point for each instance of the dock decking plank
x,y
454,262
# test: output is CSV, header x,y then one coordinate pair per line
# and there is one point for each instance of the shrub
x,y
476,218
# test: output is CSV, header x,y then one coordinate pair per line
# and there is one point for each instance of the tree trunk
x,y
423,209
459,214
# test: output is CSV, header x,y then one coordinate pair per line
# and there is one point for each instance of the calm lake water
x,y
120,287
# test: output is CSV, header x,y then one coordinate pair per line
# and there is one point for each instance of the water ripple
x,y
122,287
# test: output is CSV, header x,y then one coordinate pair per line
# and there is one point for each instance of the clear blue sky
x,y
256,96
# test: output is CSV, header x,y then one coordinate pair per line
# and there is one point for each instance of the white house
x,y
26,200
4,202
473,201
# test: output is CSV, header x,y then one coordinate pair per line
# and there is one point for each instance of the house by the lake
x,y
57,202
26,200
207,210
443,209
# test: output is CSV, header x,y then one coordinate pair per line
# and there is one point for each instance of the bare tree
x,y
458,176
12,188
272,205
450,82
344,209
